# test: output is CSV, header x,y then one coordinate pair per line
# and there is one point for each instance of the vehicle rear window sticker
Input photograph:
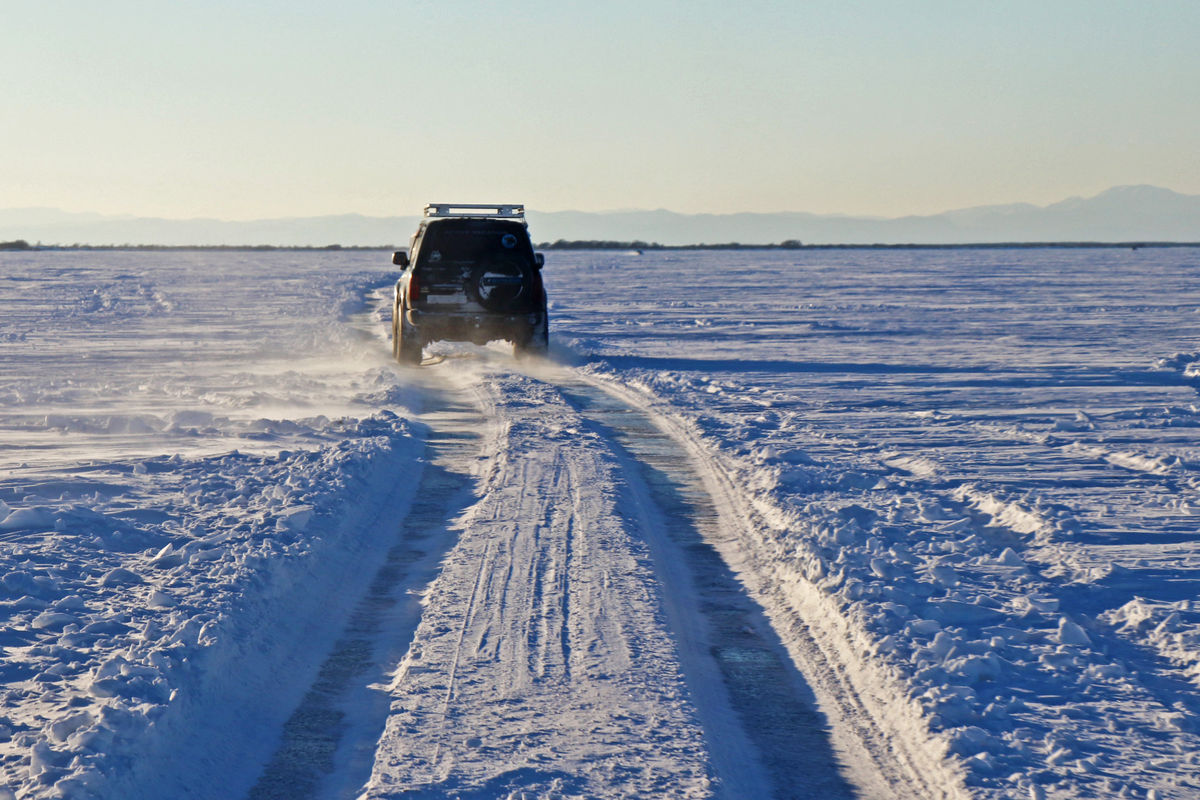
x,y
435,256
508,240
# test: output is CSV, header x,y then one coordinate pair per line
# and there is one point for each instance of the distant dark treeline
x,y
597,244
1000,246
21,244
793,244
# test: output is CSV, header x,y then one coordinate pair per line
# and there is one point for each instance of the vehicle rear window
x,y
448,245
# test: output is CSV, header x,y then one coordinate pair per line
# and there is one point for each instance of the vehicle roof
x,y
488,210
467,221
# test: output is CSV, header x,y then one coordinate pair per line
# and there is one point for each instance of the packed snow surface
x,y
960,485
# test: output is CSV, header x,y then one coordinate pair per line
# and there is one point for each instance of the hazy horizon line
x,y
603,212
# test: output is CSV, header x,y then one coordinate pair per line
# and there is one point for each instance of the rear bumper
x,y
469,326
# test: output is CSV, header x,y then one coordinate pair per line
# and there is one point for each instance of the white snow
x,y
999,465
962,485
548,616
187,449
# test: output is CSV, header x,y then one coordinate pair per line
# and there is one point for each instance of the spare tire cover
x,y
502,285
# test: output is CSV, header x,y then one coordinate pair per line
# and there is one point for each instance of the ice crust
x,y
186,455
972,472
976,466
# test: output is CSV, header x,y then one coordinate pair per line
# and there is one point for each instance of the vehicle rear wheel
x,y
406,342
396,333
535,343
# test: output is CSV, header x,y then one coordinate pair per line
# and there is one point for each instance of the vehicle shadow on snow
x,y
775,365
1022,376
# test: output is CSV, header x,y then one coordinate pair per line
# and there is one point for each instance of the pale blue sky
x,y
250,109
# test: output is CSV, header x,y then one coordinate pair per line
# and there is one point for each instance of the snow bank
x,y
121,623
949,634
195,452
981,498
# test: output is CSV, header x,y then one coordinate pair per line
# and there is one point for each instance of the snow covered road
x,y
581,639
875,524
542,661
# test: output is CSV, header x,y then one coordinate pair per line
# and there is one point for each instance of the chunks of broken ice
x,y
35,518
160,600
120,577
1072,633
295,519
53,621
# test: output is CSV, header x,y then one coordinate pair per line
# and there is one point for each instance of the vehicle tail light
x,y
414,289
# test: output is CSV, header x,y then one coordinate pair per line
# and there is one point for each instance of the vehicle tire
x,y
396,332
409,349
535,342
406,342
504,286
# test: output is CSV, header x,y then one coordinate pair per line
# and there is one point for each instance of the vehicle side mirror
x,y
539,259
400,258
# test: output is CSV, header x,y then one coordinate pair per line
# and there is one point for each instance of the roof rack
x,y
507,210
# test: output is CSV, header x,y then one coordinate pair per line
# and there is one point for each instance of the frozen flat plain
x,y
952,494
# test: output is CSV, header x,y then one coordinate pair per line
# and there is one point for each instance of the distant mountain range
x,y
1121,214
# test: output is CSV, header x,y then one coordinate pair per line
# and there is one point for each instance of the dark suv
x,y
470,275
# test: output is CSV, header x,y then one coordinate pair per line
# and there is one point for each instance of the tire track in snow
x,y
329,741
885,753
567,681
734,660
547,619
468,617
